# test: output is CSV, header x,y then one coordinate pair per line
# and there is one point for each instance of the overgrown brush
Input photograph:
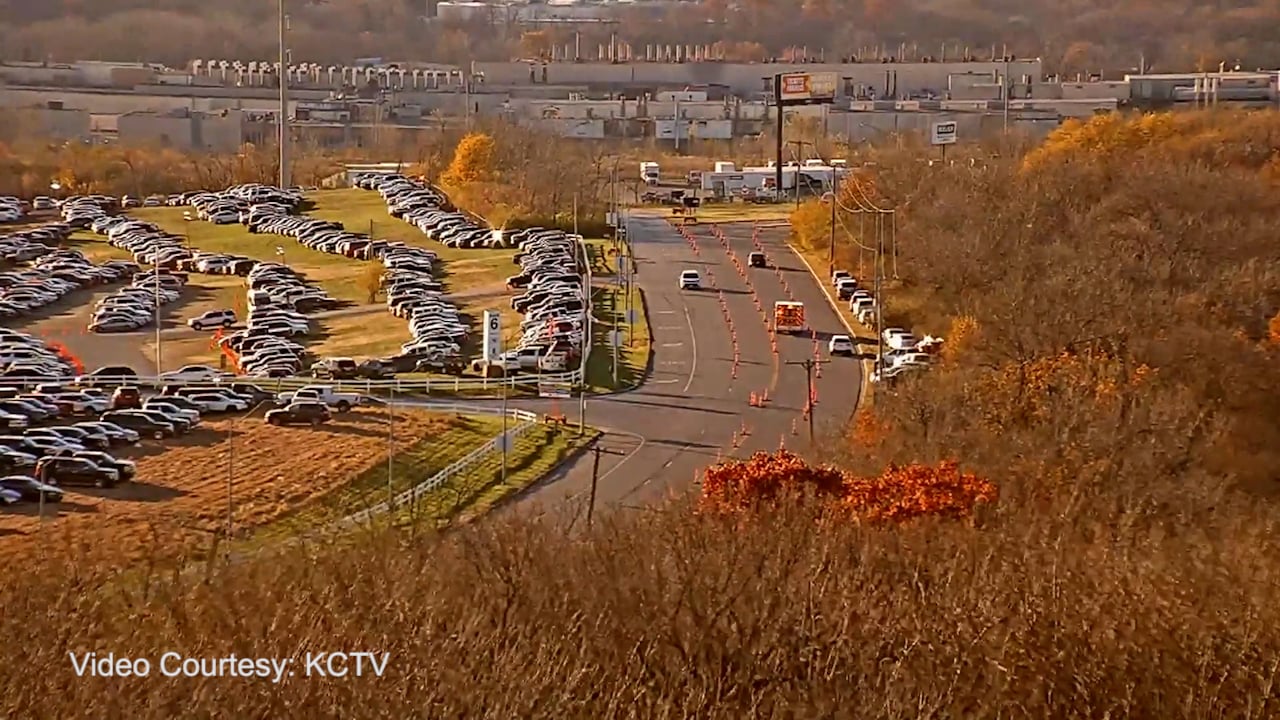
x,y
679,615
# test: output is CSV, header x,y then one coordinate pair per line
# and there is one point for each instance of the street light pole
x,y
283,77
502,351
156,301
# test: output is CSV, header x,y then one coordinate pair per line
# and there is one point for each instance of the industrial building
x,y
693,98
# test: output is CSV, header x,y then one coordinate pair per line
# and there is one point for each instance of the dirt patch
x,y
179,500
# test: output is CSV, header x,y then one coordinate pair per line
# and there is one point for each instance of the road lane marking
x,y
666,312
693,337
665,382
675,344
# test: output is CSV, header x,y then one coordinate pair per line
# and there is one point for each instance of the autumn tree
x,y
473,161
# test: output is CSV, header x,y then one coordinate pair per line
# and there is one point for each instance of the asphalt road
x,y
691,408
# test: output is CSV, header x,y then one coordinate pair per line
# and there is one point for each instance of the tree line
x,y
1074,37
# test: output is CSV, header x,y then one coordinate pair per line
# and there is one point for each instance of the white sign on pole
x,y
611,219
943,133
492,335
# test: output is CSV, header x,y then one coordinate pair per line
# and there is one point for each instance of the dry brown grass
x,y
1114,387
666,614
179,499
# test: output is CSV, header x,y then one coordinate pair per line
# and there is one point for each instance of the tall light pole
x,y
502,351
283,76
1005,94
155,279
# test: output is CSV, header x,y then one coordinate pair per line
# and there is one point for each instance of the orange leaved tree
x,y
898,494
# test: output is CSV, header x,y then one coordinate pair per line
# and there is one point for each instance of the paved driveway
x,y
691,404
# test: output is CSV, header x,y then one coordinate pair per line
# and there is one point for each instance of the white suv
x,y
690,280
840,345
212,319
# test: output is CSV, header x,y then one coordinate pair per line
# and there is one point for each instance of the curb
x,y
867,366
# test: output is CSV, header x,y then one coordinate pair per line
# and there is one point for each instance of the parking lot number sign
x,y
492,335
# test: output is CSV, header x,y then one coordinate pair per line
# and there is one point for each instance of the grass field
x,y
179,499
364,211
408,467
475,492
610,305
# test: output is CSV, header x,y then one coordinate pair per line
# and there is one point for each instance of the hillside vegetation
x,y
1111,367
1073,37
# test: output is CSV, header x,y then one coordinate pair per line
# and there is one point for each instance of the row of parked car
x,y
279,298
25,356
554,303
63,433
11,209
44,273
239,203
431,212
903,351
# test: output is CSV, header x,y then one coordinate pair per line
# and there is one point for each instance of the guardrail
x,y
457,467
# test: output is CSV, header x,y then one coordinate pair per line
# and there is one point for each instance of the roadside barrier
x,y
407,386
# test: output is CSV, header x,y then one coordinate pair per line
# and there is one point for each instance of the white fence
x,y
525,421
395,385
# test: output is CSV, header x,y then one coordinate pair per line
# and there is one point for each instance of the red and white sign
x,y
809,86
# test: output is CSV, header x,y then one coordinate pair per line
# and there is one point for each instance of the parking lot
x,y
97,423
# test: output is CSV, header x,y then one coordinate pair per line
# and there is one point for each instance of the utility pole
x,y
808,364
675,124
597,451
283,77
835,197
879,260
800,144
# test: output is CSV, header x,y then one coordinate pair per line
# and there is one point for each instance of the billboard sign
x,y
943,133
492,335
818,87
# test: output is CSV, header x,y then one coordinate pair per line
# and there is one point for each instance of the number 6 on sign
x,y
492,335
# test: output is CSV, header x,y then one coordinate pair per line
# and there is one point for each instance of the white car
x,y
840,345
218,402
193,373
213,319
899,339
911,358
158,404
895,372
690,280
